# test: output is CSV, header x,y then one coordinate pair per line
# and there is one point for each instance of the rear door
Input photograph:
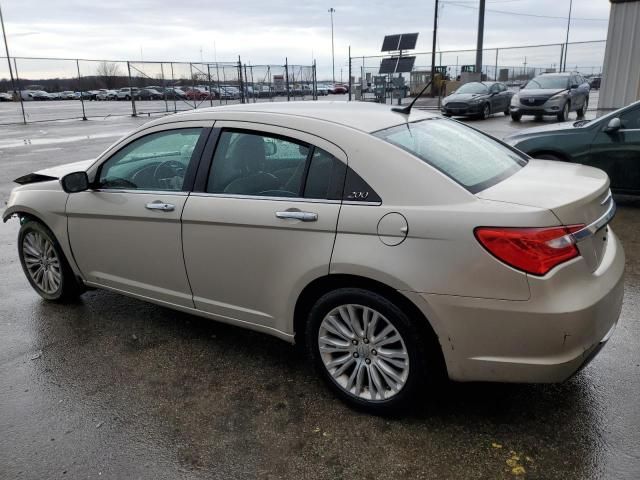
x,y
618,152
261,222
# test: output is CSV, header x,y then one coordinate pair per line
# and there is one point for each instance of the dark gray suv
x,y
551,94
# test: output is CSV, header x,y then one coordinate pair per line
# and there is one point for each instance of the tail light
x,y
532,250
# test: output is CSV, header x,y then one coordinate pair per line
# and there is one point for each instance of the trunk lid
x,y
576,194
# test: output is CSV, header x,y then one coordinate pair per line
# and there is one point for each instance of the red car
x,y
197,93
338,89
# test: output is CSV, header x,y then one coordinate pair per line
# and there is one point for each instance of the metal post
x,y
315,81
218,82
175,102
240,81
497,64
164,89
333,56
84,116
286,76
15,67
253,85
210,91
133,100
350,84
433,52
193,85
246,82
480,38
566,48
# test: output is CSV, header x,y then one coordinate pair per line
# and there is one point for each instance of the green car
x,y
611,143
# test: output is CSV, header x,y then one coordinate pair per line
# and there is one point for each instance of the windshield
x,y
473,87
472,159
547,82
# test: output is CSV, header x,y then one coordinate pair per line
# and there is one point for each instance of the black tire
x,y
448,115
516,116
419,345
69,287
506,112
584,108
485,112
563,116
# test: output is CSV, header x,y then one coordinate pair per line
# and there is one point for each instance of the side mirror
x,y
613,126
75,182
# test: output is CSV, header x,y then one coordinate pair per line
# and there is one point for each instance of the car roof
x,y
365,116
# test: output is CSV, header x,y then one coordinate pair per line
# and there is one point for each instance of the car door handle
x,y
165,207
297,215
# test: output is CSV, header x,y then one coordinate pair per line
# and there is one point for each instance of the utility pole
x,y
566,43
333,56
480,38
13,82
433,51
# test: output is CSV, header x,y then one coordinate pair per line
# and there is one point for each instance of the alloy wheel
x,y
42,262
363,352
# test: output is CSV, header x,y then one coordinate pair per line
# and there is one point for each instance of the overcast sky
x,y
267,31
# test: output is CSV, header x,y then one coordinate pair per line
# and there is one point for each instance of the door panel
x,y
118,242
252,241
247,264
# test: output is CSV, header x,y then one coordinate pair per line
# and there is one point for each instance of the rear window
x,y
472,159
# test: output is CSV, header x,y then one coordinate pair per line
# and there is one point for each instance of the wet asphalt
x,y
111,387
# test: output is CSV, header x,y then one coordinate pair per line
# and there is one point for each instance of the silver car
x,y
555,94
398,248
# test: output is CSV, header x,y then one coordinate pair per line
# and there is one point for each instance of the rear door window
x,y
470,158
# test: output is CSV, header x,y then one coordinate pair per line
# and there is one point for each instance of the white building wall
x,y
621,72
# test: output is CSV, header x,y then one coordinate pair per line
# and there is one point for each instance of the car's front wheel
x,y
367,350
515,116
44,263
486,112
563,116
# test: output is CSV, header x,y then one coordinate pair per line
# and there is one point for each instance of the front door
x,y
125,233
264,224
618,152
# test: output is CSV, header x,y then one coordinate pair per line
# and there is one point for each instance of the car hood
x,y
543,129
61,170
540,92
464,97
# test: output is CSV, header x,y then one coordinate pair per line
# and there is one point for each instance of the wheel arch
x,y
321,285
560,155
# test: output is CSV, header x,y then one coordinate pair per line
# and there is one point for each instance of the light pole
x,y
566,43
333,57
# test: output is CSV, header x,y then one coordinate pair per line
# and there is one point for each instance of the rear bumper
x,y
572,312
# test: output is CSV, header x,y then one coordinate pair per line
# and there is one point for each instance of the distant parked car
x,y
197,93
107,94
322,90
174,93
67,95
338,89
125,93
480,99
552,94
6,97
40,95
149,94
611,143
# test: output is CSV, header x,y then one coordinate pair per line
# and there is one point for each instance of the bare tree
x,y
108,72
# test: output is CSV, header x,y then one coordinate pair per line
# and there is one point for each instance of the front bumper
x,y
471,109
546,109
571,313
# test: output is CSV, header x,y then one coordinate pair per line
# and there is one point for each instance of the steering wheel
x,y
166,170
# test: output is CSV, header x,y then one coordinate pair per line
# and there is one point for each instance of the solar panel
x,y
408,41
390,43
388,65
403,41
405,64
397,64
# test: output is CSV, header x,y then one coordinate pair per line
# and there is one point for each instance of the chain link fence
x,y
41,87
512,65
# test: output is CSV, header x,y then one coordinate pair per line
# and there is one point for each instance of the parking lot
x,y
111,387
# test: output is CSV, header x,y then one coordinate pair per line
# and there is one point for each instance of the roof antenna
x,y
407,110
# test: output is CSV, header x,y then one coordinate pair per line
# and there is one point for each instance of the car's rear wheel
x,y
366,349
563,116
44,263
516,116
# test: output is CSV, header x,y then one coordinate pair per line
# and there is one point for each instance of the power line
x,y
504,12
